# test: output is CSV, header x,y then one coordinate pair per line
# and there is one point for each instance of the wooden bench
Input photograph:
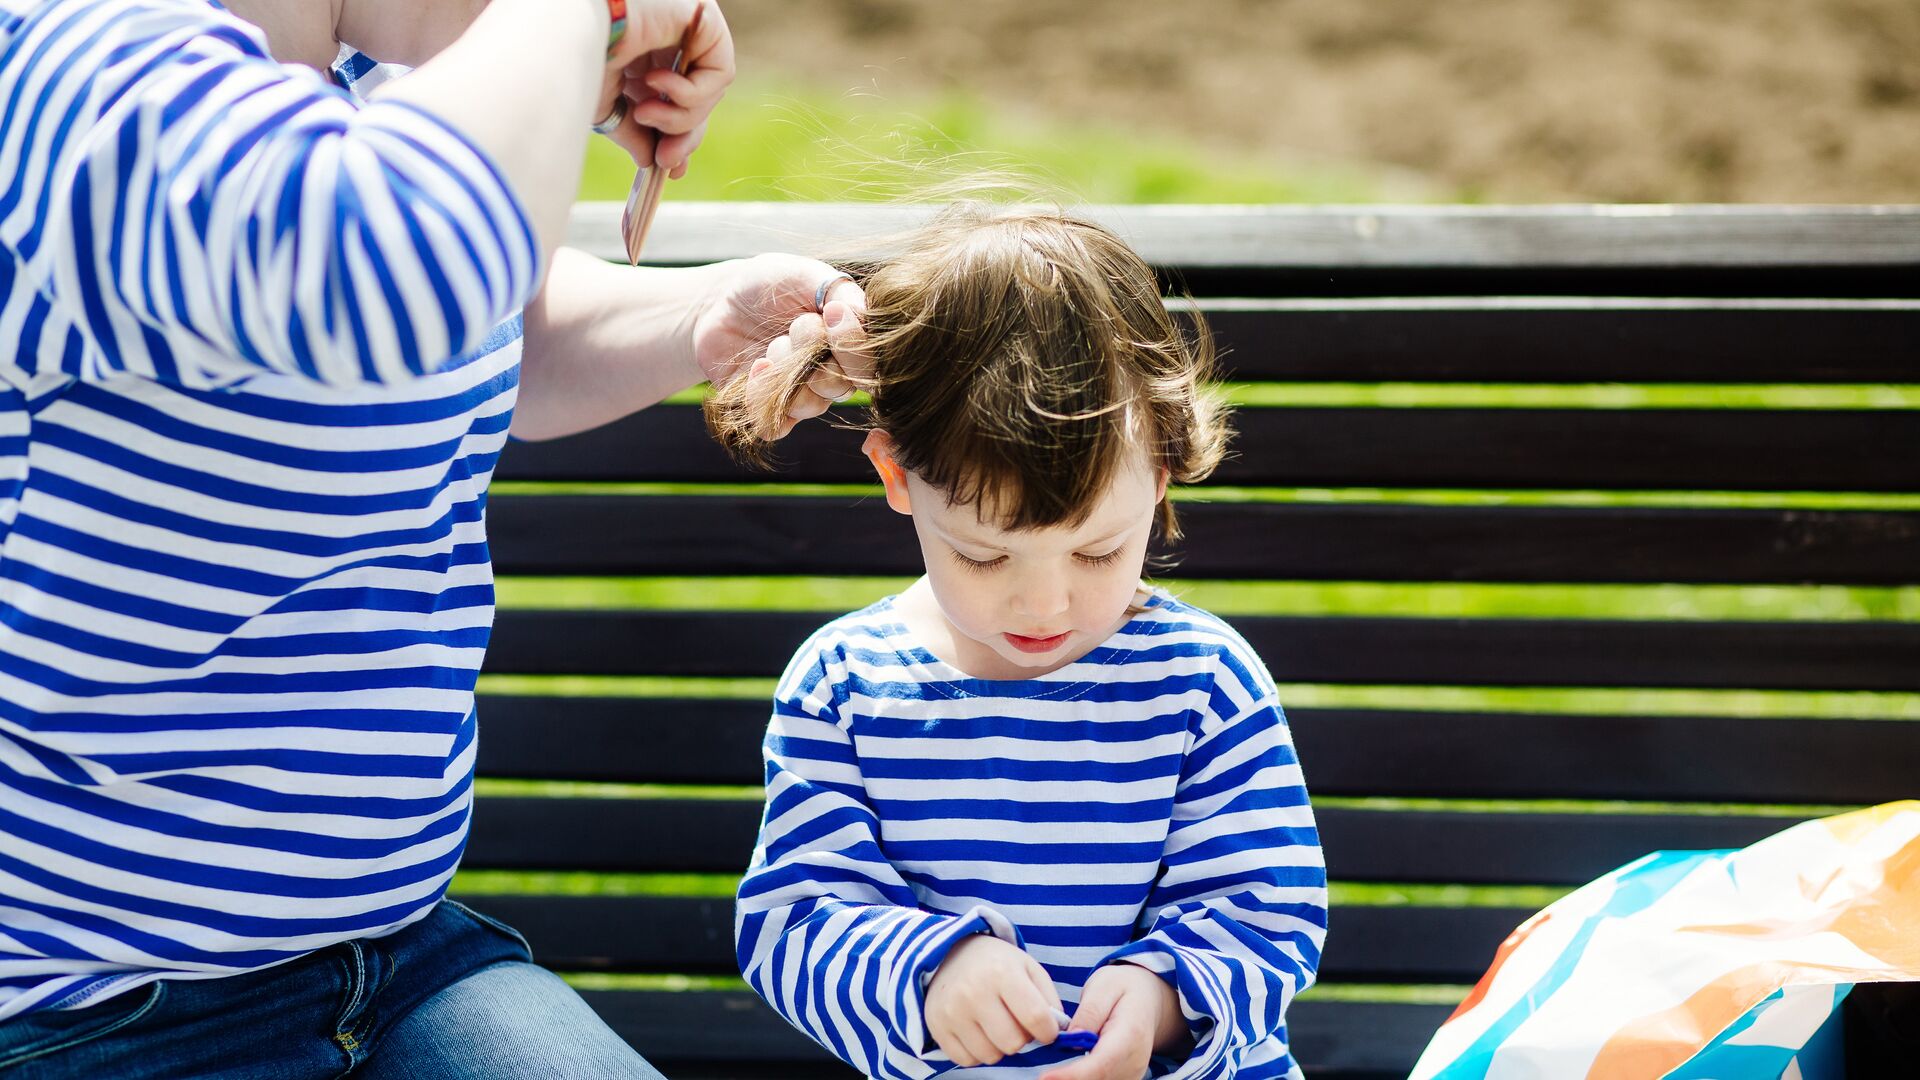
x,y
1471,751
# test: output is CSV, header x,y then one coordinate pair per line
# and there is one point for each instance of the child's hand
x,y
1135,1012
989,999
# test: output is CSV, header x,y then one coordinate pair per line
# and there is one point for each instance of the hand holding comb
x,y
650,182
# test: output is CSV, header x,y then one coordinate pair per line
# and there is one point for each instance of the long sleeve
x,y
826,929
1238,914
179,206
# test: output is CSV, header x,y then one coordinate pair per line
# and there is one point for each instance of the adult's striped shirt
x,y
261,351
1142,803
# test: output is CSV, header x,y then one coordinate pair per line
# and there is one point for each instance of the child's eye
x,y
1101,560
976,564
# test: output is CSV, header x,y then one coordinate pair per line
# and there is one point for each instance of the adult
x,y
264,343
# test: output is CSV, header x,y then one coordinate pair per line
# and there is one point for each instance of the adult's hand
x,y
771,296
667,112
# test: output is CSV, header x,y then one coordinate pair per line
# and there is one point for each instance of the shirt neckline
x,y
929,670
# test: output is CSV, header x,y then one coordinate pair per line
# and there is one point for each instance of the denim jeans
x,y
454,995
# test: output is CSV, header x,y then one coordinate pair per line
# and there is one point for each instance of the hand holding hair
x,y
820,358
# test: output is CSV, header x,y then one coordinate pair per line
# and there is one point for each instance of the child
x,y
1030,786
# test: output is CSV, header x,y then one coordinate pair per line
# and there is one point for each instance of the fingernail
x,y
836,314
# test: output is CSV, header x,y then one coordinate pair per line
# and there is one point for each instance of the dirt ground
x,y
1501,100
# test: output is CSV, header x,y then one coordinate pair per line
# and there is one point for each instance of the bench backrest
x,y
1526,631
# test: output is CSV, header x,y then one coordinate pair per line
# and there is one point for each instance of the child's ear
x,y
1160,493
879,450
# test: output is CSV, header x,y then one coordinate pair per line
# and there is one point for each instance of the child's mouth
x,y
1037,644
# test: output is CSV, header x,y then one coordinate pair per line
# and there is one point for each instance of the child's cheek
x,y
968,601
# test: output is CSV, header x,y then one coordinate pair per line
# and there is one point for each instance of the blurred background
x,y
1504,101
1294,101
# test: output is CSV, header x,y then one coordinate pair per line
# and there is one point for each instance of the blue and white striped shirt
x,y
262,351
1142,802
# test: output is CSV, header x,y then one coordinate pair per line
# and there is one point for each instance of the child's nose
x,y
1042,596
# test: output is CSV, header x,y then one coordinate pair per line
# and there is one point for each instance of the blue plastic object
x,y
1077,1040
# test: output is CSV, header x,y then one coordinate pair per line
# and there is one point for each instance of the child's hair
x,y
1016,354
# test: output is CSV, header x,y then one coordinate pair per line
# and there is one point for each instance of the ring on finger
x,y
612,121
820,294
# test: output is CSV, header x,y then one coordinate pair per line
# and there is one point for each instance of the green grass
x,y
1439,600
1576,701
1422,994
1380,804
501,787
774,141
1341,893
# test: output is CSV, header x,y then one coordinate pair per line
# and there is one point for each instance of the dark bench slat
x,y
1736,449
1652,758
1508,339
717,835
770,534
708,1029
1346,751
695,935
1513,652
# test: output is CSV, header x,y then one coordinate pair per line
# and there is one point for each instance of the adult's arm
x,y
604,340
203,213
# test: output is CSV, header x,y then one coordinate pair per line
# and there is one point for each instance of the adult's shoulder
x,y
44,26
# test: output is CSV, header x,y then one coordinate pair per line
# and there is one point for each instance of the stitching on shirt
x,y
953,691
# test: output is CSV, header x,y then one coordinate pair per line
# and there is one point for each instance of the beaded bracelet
x,y
618,9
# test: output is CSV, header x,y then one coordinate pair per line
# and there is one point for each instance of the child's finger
x,y
947,1037
1086,1068
978,1047
1112,1058
1093,1012
1035,1003
1003,1030
1031,1010
1043,982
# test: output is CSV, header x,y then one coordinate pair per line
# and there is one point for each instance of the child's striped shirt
x,y
1142,802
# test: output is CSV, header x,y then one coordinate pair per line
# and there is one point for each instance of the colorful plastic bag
x,y
1696,964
